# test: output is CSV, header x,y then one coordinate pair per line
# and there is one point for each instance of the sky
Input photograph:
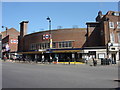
x,y
64,14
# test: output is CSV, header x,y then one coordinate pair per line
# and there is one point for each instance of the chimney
x,y
23,28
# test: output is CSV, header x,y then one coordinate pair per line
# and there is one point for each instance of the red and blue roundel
x,y
46,36
14,41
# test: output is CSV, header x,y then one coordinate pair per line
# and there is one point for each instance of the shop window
x,y
111,24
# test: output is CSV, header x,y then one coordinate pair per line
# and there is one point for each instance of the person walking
x,y
68,60
94,62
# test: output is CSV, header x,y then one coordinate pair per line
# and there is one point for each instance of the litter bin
x,y
107,62
103,61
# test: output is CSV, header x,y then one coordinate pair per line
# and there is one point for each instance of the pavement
x,y
90,63
24,75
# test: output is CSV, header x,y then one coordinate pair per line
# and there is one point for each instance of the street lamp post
x,y
50,35
5,28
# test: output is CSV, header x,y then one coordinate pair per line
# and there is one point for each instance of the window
x,y
65,44
32,47
101,55
118,37
112,38
54,45
39,46
111,24
116,14
47,45
118,24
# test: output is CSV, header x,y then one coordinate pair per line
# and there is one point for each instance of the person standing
x,y
50,60
4,57
94,62
42,59
57,59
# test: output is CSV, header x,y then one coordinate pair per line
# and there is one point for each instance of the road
x,y
21,75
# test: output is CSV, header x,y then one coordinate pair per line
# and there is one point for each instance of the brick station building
x,y
99,40
65,42
9,42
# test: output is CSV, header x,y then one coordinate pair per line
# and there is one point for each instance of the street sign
x,y
46,36
14,41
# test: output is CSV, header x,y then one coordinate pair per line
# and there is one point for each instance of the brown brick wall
x,y
75,35
95,38
108,30
11,34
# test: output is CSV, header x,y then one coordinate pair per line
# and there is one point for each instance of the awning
x,y
33,52
66,51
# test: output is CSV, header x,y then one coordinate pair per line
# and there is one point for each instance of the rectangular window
x,y
70,44
112,37
54,45
42,45
118,24
101,55
39,46
32,47
118,37
116,14
60,44
47,45
111,24
65,44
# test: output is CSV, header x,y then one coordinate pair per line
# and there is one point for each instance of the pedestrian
x,y
4,57
42,61
68,58
14,57
110,60
86,60
57,59
50,59
93,61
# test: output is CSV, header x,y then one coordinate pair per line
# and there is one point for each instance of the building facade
x,y
107,28
65,43
9,42
99,40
